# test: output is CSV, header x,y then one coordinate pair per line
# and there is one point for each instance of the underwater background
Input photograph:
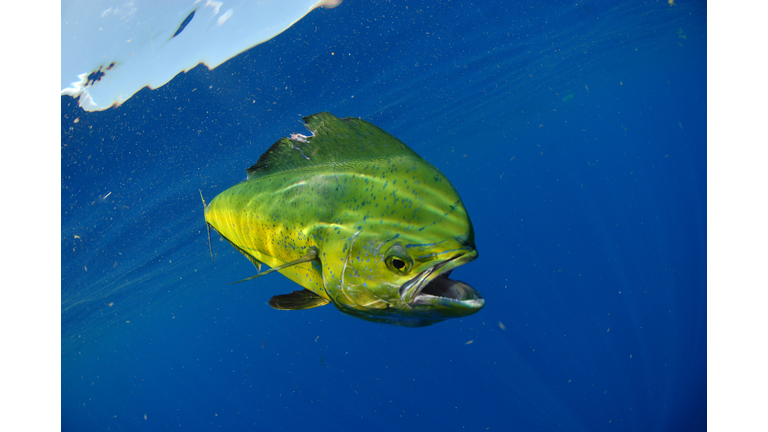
x,y
575,133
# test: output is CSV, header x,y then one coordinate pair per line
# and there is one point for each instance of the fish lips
x,y
433,289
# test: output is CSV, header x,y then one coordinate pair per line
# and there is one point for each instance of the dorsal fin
x,y
334,141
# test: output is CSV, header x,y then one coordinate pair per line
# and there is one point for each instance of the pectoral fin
x,y
297,300
310,256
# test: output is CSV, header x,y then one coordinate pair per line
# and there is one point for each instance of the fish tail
x,y
207,227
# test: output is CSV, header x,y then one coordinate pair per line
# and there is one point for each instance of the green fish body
x,y
356,218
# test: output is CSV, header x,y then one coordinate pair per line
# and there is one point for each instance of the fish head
x,y
394,267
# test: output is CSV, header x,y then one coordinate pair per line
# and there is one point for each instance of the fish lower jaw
x,y
433,288
429,300
441,289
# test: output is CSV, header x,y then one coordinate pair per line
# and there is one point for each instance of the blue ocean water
x,y
575,133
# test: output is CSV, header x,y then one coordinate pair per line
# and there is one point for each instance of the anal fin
x,y
255,262
250,257
297,300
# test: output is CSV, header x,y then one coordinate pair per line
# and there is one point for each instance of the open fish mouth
x,y
433,287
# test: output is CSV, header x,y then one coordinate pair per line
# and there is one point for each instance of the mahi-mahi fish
x,y
357,219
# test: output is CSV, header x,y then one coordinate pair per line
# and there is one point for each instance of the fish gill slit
x,y
346,259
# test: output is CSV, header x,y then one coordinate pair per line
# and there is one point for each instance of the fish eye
x,y
398,260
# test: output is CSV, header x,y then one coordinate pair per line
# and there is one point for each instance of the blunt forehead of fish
x,y
442,248
421,238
